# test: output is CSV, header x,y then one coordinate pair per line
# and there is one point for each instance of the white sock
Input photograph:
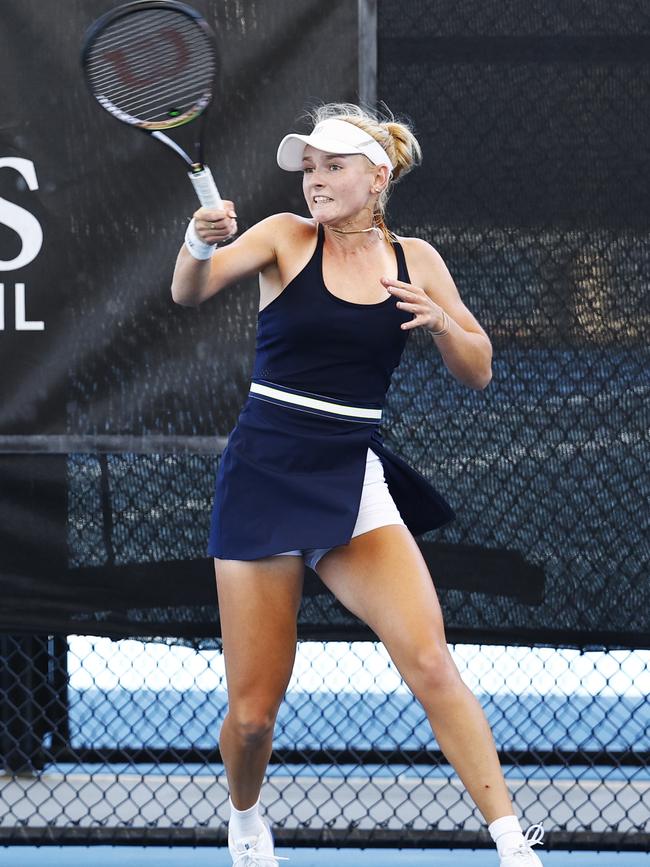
x,y
506,833
245,823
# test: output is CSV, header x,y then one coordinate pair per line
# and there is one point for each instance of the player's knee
x,y
252,723
432,668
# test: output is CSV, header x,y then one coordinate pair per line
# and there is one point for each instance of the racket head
x,y
151,63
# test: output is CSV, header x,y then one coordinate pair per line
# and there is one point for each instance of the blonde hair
x,y
394,136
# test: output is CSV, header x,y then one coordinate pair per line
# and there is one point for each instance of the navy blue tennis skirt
x,y
292,472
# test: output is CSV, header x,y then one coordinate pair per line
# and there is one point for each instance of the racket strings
x,y
173,36
145,101
111,58
153,67
175,98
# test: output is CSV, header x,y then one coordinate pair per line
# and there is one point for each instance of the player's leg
x,y
382,578
258,608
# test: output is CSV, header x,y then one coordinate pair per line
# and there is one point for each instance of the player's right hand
x,y
213,225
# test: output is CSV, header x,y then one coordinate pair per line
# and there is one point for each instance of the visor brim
x,y
292,148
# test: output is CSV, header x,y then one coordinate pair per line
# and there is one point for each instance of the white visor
x,y
334,137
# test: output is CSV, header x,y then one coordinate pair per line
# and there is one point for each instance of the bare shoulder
x,y
420,252
262,246
286,227
292,239
425,264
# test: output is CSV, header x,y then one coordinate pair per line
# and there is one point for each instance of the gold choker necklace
x,y
351,231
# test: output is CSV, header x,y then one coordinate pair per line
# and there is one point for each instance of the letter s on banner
x,y
21,221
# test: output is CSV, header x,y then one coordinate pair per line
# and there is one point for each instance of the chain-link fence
x,y
107,740
535,189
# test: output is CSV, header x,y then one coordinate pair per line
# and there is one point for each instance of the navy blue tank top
x,y
292,479
312,340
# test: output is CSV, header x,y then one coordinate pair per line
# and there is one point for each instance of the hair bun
x,y
406,152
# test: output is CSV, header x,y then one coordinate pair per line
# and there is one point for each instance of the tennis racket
x,y
152,65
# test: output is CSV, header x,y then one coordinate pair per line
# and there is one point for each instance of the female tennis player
x,y
305,476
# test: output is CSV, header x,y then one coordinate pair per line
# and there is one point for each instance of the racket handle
x,y
205,188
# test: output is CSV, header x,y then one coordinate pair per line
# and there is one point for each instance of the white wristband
x,y
198,248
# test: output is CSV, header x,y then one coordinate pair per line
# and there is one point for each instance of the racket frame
x,y
199,173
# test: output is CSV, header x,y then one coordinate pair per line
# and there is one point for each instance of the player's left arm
x,y
466,349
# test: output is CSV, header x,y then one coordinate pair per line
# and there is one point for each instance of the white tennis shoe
x,y
255,851
523,855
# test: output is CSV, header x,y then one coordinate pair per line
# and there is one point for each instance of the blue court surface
x,y
207,856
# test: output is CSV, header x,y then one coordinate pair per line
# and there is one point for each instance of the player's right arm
x,y
195,280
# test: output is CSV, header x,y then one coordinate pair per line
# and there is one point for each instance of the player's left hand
x,y
426,313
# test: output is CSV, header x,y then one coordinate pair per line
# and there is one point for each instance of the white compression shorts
x,y
377,509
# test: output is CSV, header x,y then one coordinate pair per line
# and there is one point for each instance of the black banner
x,y
92,214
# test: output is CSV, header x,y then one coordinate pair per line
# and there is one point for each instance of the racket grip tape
x,y
205,188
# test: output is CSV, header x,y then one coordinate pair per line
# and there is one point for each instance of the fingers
x,y
399,284
214,213
413,300
402,289
214,225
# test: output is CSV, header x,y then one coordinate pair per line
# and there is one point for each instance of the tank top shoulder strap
x,y
402,270
315,264
320,240
313,268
